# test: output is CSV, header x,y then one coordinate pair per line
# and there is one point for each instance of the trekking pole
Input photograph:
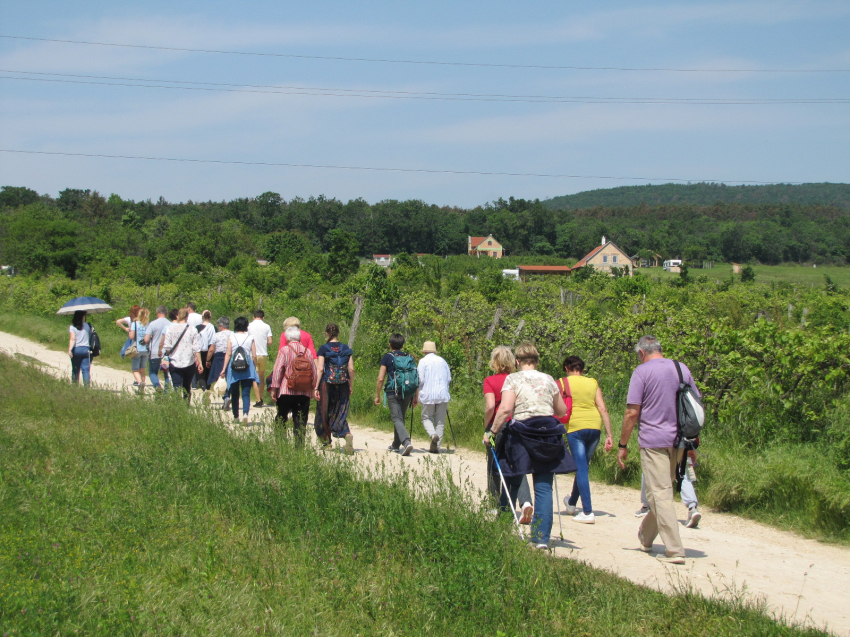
x,y
410,433
505,487
452,429
558,506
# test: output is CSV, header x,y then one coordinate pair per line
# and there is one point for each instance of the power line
x,y
423,95
389,169
421,62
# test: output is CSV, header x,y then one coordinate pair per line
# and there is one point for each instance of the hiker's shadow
x,y
693,554
598,514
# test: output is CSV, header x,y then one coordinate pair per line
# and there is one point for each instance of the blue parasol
x,y
89,304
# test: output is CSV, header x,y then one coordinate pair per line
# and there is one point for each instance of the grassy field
x,y
803,275
119,516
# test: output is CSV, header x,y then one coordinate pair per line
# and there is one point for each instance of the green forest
x,y
81,233
705,194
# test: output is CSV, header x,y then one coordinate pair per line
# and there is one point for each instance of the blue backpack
x,y
336,365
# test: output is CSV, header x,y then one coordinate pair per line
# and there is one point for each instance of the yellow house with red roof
x,y
606,256
484,246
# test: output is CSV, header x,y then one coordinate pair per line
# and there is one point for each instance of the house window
x,y
489,243
604,258
614,258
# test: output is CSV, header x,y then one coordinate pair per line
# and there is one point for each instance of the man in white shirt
x,y
193,319
433,393
262,333
153,337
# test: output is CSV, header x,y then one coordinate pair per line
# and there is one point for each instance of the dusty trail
x,y
798,578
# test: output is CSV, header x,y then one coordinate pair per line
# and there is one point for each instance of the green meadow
x,y
127,517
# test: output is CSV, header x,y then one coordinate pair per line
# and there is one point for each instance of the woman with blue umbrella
x,y
82,334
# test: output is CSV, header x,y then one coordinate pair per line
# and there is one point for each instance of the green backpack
x,y
405,379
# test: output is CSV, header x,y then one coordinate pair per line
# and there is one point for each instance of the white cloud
x,y
170,31
637,22
593,122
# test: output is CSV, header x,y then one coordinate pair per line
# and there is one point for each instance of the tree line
x,y
81,232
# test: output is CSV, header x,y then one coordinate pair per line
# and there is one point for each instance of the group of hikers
x,y
193,353
527,414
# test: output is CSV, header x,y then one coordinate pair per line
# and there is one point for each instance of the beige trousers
x,y
659,471
262,363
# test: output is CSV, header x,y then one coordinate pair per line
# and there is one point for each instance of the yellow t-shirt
x,y
585,414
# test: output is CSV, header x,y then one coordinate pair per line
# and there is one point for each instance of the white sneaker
x,y
244,421
527,512
584,518
694,516
569,508
641,512
670,559
542,547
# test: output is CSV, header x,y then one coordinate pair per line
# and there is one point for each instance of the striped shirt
x,y
434,379
284,359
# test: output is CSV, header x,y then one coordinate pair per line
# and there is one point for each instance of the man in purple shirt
x,y
652,402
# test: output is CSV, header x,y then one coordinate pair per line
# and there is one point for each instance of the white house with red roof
x,y
605,257
384,260
484,246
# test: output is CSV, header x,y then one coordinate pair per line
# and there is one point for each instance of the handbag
x,y
132,350
564,387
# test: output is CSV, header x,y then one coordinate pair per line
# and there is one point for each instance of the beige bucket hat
x,y
429,347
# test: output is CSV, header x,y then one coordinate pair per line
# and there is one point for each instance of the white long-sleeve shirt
x,y
434,379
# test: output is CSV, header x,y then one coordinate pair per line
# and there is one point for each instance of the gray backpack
x,y
690,414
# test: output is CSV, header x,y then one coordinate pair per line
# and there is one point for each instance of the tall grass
x,y
122,516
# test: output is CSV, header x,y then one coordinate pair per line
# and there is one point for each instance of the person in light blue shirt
x,y
433,393
138,329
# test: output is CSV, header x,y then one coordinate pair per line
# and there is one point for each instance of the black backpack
x,y
94,342
239,361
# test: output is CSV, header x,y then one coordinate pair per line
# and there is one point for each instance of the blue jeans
x,y
153,373
582,445
81,362
247,384
541,523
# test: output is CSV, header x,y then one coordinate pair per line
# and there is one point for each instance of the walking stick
x,y
505,487
452,429
410,432
558,507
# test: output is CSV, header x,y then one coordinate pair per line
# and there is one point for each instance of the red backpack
x,y
564,388
299,376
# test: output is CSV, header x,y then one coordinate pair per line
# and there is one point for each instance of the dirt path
x,y
798,578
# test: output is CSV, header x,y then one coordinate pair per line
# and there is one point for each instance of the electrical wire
x,y
389,169
105,80
420,62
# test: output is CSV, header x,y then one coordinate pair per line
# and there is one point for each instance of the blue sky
x,y
752,142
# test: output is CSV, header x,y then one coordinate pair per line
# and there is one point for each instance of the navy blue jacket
x,y
535,445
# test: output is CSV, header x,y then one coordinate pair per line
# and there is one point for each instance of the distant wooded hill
x,y
705,194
